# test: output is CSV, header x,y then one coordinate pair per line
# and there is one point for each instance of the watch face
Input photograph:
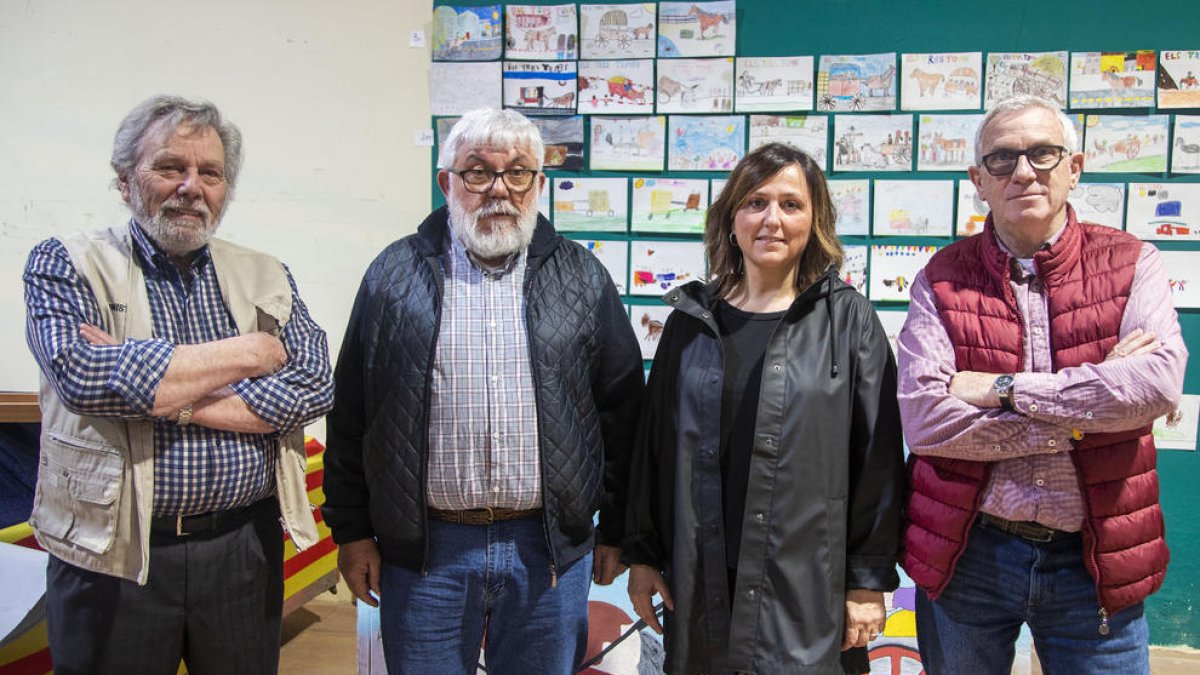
x,y
1003,382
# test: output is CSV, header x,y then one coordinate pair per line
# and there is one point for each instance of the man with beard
x,y
487,391
178,372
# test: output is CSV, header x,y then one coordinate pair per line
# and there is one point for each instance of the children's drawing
x,y
614,255
852,201
872,142
541,88
696,29
1167,211
921,208
1100,203
1185,153
1113,79
676,205
617,31
854,267
892,322
658,266
616,87
442,127
1017,73
803,132
893,269
456,88
774,83
1125,144
705,143
1177,430
590,204
950,81
467,33
716,185
544,203
1179,78
648,322
628,143
857,82
947,142
563,141
972,211
695,86
1183,276
541,32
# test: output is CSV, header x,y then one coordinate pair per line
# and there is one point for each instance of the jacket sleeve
x,y
345,485
617,386
646,534
876,462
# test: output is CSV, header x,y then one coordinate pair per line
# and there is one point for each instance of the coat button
x,y
706,315
777,367
759,517
1032,407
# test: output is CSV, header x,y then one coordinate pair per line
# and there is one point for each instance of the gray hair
x,y
492,128
1018,104
170,113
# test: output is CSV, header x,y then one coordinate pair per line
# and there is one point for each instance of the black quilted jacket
x,y
588,380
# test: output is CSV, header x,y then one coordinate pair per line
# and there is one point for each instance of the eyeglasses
x,y
1042,158
480,181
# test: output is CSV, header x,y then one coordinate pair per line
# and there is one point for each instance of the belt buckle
x,y
491,515
1044,537
179,526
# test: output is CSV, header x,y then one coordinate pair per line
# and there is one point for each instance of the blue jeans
x,y
1002,581
485,579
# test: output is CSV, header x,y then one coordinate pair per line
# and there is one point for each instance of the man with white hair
x,y
178,372
487,392
1035,357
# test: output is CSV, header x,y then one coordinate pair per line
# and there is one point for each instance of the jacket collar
x,y
432,236
1053,262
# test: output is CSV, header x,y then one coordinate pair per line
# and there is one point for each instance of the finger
x,y
643,606
597,569
1145,349
666,596
373,577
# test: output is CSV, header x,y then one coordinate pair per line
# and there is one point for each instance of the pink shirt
x,y
1033,477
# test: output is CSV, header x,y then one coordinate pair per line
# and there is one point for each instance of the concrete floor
x,y
320,639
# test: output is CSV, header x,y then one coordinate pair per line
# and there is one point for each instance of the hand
x,y
606,564
96,336
975,388
1138,342
359,562
266,352
644,583
865,617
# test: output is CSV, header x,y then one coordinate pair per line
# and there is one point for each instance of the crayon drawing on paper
x,y
1166,211
617,31
949,81
697,29
648,322
562,140
1179,78
695,85
705,143
656,267
854,267
1177,430
1100,203
872,142
628,143
1019,73
852,199
893,269
854,82
1185,151
591,204
616,87
1125,144
971,211
541,32
540,88
1113,79
673,205
614,255
456,88
920,208
467,33
779,83
947,142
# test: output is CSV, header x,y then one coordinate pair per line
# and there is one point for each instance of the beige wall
x,y
329,96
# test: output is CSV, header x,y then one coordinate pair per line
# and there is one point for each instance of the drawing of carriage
x,y
597,202
663,204
614,27
622,87
531,96
1130,146
964,80
1037,82
846,84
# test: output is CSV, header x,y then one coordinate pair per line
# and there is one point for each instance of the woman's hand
x,y
644,583
865,616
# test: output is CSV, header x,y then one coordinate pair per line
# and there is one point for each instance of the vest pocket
x,y
80,496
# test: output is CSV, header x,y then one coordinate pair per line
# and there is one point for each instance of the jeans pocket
x,y
79,496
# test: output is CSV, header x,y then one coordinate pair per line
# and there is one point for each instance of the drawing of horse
x,y
654,328
644,33
847,153
707,20
928,82
1120,82
565,101
881,84
671,88
768,88
541,37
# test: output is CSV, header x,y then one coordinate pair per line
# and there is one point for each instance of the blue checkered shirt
x,y
483,442
196,469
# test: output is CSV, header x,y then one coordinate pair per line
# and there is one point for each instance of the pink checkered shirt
x,y
1033,478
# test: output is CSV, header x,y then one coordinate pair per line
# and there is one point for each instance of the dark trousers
x,y
212,601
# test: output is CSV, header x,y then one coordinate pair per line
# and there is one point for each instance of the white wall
x,y
328,96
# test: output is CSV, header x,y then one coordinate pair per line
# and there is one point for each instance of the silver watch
x,y
1004,386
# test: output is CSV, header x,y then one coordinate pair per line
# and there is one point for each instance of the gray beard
x,y
496,243
174,239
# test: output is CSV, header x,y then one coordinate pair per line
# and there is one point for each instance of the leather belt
x,y
213,522
1025,529
484,516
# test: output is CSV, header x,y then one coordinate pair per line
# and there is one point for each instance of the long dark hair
x,y
758,167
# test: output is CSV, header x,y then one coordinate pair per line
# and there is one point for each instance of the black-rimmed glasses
x,y
480,181
1042,158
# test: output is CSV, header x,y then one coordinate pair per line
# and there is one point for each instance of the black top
x,y
744,337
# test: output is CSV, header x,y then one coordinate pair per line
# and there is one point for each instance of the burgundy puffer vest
x,y
1087,276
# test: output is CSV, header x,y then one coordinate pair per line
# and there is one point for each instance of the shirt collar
x,y
150,252
463,256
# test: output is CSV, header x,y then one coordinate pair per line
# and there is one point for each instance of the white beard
x,y
175,239
499,242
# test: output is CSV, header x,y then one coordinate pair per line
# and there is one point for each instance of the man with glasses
x,y
1035,357
486,396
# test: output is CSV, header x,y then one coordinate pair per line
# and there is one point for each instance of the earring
x,y
732,238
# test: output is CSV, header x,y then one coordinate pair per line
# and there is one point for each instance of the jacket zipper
x,y
533,376
433,262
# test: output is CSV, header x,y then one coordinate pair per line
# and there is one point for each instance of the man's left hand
x,y
975,388
606,564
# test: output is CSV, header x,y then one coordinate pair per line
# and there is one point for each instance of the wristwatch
x,y
185,415
1004,386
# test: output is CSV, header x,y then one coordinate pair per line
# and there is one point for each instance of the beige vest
x,y
95,487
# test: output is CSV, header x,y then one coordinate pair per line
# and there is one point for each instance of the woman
x,y
768,472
